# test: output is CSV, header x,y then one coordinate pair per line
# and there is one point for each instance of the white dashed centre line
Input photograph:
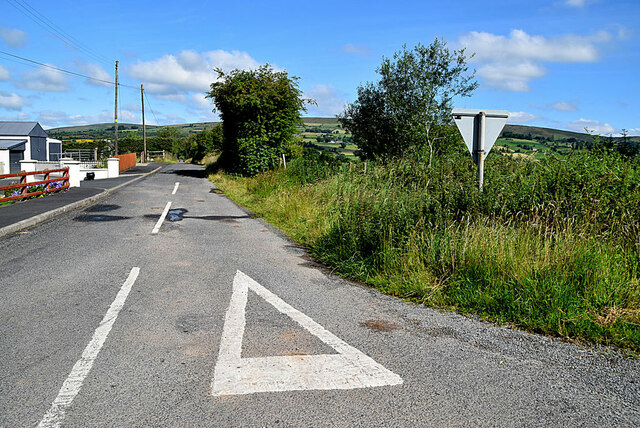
x,y
175,188
73,383
156,229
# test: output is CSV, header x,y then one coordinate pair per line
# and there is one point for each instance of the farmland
x,y
327,134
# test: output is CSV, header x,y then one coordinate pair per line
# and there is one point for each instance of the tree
x,y
166,139
260,110
408,109
198,145
130,143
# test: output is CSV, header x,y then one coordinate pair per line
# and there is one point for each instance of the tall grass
x,y
550,246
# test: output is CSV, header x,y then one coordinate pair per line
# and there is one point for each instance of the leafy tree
x,y
166,139
260,111
198,145
408,109
130,143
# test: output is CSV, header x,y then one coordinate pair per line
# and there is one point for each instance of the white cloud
x,y
513,78
624,33
592,126
12,101
575,3
96,72
44,79
23,117
129,117
53,119
510,62
181,98
357,50
330,100
517,117
201,102
564,106
14,38
188,71
173,119
4,74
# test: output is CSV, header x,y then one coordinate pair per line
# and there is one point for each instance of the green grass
x,y
551,246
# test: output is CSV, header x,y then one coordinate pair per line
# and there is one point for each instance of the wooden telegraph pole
x,y
116,110
144,129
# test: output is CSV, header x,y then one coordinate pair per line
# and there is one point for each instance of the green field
x,y
517,140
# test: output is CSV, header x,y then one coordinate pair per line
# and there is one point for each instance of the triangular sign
x,y
467,122
347,369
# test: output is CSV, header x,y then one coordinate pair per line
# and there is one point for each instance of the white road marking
x,y
162,217
175,188
73,383
233,374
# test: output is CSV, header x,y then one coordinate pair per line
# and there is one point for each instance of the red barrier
x,y
127,161
50,184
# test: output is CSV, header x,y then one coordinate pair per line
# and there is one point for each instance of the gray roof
x,y
12,144
32,129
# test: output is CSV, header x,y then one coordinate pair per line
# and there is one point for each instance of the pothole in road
x,y
216,191
176,214
96,217
380,325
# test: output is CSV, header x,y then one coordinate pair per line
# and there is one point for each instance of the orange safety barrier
x,y
50,184
127,161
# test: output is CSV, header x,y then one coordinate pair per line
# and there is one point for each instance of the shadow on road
x,y
195,173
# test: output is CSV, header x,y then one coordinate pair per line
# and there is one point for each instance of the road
x,y
218,320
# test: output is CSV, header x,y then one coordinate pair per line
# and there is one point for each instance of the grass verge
x,y
551,247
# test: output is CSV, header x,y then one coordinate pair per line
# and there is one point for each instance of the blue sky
x,y
566,64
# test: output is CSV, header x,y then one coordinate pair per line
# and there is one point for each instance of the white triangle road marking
x,y
347,369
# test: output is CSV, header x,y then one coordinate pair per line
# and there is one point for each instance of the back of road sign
x,y
467,122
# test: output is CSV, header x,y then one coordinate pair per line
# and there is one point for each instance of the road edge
x,y
41,218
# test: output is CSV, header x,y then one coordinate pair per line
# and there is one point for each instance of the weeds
x,y
551,246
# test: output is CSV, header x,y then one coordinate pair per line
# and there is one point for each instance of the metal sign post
x,y
480,129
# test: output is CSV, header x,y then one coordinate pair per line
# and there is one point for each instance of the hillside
x,y
325,133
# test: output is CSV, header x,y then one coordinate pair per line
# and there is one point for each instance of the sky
x,y
565,64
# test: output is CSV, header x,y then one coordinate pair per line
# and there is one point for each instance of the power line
x,y
73,73
146,100
58,32
62,70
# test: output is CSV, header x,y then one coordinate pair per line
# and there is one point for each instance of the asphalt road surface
x,y
216,319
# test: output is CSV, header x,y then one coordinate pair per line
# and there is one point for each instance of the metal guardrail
x,y
50,184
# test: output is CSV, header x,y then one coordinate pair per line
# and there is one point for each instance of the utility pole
x,y
116,109
144,129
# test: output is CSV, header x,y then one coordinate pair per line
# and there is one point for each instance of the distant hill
x,y
106,130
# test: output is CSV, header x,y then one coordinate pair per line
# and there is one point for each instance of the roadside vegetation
x,y
552,245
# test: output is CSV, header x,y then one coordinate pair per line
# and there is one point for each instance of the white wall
x,y
27,145
4,160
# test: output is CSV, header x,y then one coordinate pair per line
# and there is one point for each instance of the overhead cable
x,y
23,7
62,70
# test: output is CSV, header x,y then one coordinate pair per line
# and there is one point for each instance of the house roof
x,y
12,144
32,129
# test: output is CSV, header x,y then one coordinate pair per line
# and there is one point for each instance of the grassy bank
x,y
550,246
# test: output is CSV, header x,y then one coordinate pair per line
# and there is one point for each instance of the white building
x,y
25,141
